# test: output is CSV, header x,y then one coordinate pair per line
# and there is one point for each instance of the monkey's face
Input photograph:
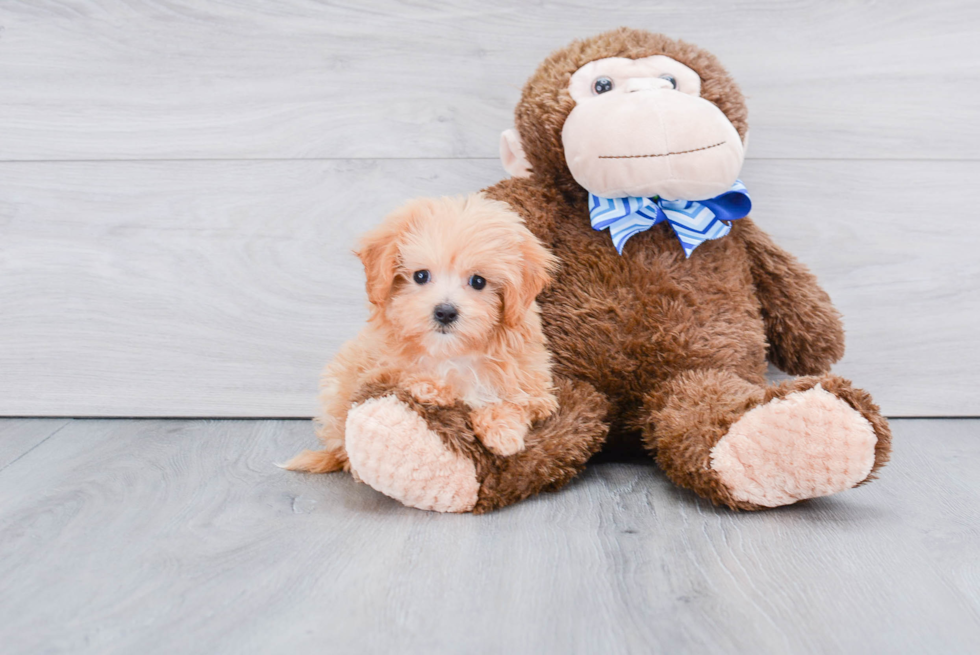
x,y
641,128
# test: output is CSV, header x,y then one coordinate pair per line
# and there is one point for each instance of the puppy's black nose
x,y
445,313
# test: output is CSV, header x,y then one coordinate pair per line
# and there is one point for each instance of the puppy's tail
x,y
318,461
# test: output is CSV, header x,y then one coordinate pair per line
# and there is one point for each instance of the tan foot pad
x,y
391,448
808,444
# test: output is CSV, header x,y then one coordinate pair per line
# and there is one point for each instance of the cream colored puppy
x,y
452,283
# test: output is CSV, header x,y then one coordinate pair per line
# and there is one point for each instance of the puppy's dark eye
x,y
420,277
670,78
602,85
477,282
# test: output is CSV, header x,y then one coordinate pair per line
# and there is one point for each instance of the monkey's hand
x,y
803,328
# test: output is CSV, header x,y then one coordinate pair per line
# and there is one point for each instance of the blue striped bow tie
x,y
694,221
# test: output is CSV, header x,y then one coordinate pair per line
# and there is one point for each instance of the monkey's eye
x,y
670,78
420,277
602,85
477,282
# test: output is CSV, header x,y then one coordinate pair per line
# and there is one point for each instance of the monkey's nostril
x,y
445,313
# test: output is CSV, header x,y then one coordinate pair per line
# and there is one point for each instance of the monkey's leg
x,y
752,447
427,457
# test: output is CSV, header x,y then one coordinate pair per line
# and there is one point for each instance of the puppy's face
x,y
446,273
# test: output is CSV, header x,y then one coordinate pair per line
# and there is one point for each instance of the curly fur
x,y
492,357
556,450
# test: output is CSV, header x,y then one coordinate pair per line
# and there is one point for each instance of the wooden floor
x,y
180,536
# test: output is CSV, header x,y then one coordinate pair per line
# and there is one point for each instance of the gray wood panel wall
x,y
181,182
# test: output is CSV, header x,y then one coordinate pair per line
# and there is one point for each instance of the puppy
x,y
452,284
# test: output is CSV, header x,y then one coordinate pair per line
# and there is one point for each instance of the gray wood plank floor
x,y
163,536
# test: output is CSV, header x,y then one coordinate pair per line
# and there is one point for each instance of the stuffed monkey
x,y
669,300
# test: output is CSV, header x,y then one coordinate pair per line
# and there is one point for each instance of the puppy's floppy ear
x,y
536,268
378,252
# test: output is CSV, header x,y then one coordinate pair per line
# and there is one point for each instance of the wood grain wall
x,y
181,182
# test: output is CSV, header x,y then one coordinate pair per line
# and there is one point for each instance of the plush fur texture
x,y
808,444
392,449
422,260
556,450
668,350
703,407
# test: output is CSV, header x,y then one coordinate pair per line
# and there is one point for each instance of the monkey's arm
x,y
537,205
803,328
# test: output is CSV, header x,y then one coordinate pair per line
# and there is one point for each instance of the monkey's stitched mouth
x,y
666,154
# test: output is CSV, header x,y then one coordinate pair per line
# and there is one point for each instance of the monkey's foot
x,y
806,444
392,449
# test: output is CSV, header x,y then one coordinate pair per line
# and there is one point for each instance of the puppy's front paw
x,y
504,441
501,428
427,391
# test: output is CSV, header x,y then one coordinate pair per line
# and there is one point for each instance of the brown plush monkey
x,y
664,342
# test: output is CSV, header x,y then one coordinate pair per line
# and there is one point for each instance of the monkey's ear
x,y
512,154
